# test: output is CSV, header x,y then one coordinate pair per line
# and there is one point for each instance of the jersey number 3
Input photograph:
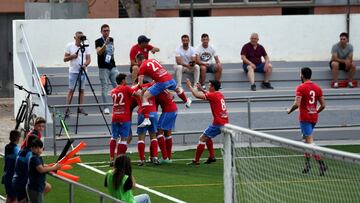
x,y
118,99
312,97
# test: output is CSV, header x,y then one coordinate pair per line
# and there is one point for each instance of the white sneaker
x,y
350,85
145,123
106,111
336,84
188,102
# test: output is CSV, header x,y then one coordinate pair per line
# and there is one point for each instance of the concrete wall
x,y
290,38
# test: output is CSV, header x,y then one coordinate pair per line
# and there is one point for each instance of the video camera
x,y
83,41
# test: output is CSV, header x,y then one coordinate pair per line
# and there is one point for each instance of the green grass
x,y
205,182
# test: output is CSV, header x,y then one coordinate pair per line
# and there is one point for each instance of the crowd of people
x,y
24,176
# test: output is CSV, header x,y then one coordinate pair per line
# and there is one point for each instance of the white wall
x,y
290,38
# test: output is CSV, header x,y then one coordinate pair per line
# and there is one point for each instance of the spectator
x,y
39,126
185,61
106,63
74,55
251,54
342,59
142,47
121,183
205,54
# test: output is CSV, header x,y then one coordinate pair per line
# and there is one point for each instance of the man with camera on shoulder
x,y
78,54
106,63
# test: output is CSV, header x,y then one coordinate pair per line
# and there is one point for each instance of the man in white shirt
x,y
74,55
185,61
205,54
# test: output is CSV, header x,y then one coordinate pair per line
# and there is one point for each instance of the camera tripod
x,y
82,72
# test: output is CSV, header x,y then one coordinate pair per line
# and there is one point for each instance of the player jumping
x,y
163,80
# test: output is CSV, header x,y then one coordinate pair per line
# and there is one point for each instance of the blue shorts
x,y
307,128
72,80
151,128
120,129
20,190
9,189
167,120
159,87
259,67
212,131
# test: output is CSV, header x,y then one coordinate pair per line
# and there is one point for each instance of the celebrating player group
x,y
147,96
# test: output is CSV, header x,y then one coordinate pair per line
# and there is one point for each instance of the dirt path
x,y
7,121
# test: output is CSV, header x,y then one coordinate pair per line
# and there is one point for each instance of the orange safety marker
x,y
68,176
65,167
72,153
73,160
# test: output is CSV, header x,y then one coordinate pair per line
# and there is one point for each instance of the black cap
x,y
216,84
143,38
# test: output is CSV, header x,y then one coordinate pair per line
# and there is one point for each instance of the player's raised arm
x,y
197,94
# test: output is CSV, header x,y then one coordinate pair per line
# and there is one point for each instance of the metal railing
x,y
247,100
35,76
102,196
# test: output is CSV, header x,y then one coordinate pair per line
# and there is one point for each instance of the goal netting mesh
x,y
259,167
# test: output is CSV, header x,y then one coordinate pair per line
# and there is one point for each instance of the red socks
x,y
182,96
112,148
121,148
210,146
199,150
162,145
146,109
168,142
154,148
141,150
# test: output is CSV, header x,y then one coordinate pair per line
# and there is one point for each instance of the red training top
x,y
218,107
153,69
310,93
136,49
166,101
121,96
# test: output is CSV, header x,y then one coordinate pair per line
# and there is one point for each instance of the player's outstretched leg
x,y
307,165
322,165
112,144
210,146
181,94
199,150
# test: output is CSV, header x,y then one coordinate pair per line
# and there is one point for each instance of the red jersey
x,y
32,132
136,49
151,101
310,93
121,96
153,69
166,101
218,107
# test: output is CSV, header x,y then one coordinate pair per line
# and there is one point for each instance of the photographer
x,y
73,53
185,61
106,63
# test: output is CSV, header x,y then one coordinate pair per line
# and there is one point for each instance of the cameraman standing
x,y
107,68
74,55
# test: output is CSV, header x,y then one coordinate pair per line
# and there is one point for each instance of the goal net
x,y
260,167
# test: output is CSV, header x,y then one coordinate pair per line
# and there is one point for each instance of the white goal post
x,y
259,167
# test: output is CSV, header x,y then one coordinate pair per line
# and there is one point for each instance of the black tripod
x,y
79,80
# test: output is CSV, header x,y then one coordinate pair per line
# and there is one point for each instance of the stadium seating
x,y
270,114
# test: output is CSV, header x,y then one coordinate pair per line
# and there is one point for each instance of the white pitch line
x,y
137,185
